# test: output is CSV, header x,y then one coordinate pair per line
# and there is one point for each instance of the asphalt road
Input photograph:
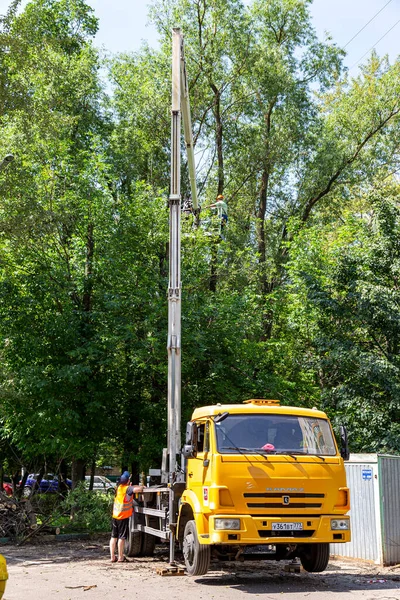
x,y
78,570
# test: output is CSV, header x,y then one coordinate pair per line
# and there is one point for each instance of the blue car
x,y
48,484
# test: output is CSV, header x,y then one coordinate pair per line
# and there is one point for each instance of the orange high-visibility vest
x,y
123,504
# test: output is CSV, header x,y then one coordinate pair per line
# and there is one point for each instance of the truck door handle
x,y
190,474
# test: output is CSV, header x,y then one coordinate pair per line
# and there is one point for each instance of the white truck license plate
x,y
287,526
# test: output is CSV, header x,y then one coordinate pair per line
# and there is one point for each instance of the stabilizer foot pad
x,y
170,571
292,568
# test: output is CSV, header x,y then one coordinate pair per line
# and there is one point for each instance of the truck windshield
x,y
274,434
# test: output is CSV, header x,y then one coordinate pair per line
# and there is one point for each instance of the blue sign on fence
x,y
366,474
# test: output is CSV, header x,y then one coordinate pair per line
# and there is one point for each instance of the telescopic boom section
x,y
180,107
187,129
174,286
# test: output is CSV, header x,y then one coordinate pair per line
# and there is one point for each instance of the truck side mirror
x,y
344,450
189,450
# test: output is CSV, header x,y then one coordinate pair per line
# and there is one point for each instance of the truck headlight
x,y
340,524
227,523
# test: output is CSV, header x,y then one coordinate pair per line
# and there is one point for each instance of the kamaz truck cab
x,y
262,481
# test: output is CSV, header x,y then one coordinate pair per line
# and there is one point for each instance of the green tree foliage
x,y
298,302
50,200
71,300
283,129
140,139
352,291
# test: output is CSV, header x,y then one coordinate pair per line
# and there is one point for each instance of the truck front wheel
x,y
314,557
196,555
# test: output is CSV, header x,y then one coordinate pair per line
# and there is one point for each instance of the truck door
x,y
199,468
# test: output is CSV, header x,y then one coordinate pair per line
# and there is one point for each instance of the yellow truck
x,y
3,575
262,482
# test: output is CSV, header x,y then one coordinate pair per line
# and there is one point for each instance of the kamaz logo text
x,y
283,490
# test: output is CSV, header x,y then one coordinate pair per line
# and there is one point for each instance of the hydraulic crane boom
x,y
180,108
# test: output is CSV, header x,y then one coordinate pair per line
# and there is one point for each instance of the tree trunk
x,y
18,489
77,471
219,137
88,285
135,471
62,478
92,470
267,284
37,482
262,209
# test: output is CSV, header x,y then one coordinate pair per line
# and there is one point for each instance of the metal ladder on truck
x,y
155,515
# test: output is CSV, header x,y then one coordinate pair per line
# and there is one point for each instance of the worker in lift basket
x,y
122,510
222,210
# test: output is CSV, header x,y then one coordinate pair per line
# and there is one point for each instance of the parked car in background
x,y
101,484
7,488
48,484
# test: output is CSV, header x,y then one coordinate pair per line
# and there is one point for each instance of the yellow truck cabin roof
x,y
256,406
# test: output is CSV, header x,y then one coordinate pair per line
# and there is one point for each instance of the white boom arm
x,y
180,106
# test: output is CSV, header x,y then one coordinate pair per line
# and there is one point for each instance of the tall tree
x,y
350,299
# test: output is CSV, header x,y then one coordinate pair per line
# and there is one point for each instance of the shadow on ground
x,y
250,577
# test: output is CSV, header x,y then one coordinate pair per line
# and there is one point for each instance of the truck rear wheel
x,y
314,557
148,544
134,543
196,555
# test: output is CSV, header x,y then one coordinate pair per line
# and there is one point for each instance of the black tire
x,y
149,541
196,555
148,545
314,557
134,543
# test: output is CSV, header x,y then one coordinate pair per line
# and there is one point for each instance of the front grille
x,y
268,533
296,500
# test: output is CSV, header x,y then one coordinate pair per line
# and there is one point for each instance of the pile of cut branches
x,y
17,518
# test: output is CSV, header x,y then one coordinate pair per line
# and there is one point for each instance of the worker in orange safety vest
x,y
122,510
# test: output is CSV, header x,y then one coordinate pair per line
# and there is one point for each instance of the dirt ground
x,y
81,570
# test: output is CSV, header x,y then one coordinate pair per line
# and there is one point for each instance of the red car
x,y
7,488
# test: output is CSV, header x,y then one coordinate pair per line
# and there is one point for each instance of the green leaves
x,y
298,302
354,302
